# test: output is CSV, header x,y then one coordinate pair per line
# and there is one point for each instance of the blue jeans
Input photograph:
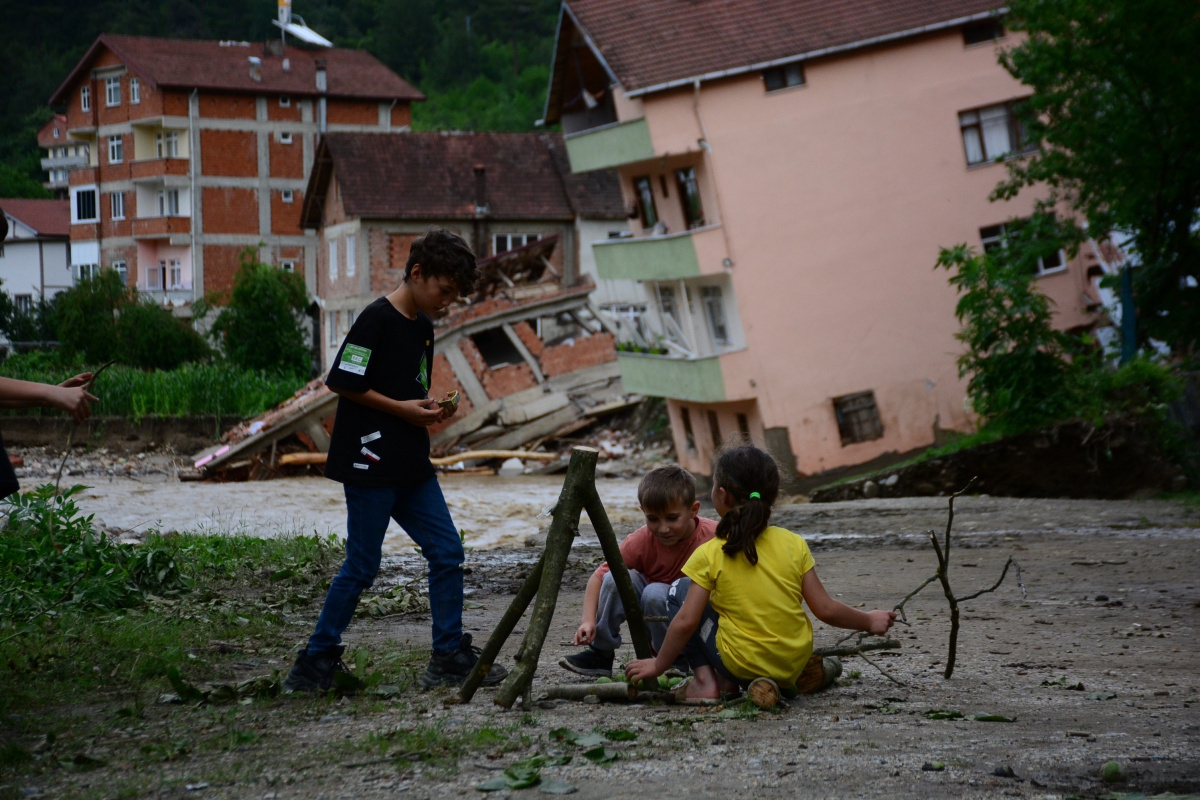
x,y
701,649
610,613
421,510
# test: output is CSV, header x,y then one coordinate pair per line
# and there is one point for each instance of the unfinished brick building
x,y
197,150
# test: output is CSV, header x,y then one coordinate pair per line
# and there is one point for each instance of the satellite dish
x,y
294,24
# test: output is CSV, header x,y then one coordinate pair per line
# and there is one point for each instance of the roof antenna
x,y
297,27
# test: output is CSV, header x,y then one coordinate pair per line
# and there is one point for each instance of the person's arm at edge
x,y
70,396
678,634
836,613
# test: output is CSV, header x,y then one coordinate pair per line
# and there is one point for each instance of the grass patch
x,y
440,746
959,443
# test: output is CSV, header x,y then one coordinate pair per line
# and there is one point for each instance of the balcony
x,y
155,169
675,256
698,380
64,162
610,145
161,227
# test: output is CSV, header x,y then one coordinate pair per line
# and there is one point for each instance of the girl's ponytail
x,y
752,479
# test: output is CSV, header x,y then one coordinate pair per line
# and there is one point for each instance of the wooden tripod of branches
x,y
544,580
942,550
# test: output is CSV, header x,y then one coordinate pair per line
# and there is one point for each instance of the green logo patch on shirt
x,y
354,359
423,372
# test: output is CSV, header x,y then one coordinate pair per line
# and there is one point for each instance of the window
x,y
714,428
112,91
993,239
168,203
56,133
166,144
175,273
154,275
287,195
333,265
857,418
116,149
285,101
503,242
666,302
992,133
662,184
784,77
689,437
24,303
135,91
743,425
122,270
85,98
288,266
645,197
84,272
689,195
714,312
85,205
117,203
984,30
285,137
331,326
351,247
496,348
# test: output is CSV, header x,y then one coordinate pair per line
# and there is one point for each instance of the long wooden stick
x,y
502,631
616,565
289,459
581,475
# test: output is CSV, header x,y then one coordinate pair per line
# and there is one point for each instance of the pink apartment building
x,y
795,168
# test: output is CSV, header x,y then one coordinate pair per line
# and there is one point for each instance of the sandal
x,y
679,697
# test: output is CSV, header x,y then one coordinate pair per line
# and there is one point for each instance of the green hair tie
x,y
755,496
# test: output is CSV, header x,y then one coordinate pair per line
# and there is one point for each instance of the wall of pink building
x,y
836,197
151,251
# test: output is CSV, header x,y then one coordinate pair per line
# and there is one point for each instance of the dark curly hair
x,y
444,254
741,470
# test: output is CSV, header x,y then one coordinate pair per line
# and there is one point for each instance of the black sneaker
x,y
314,673
590,662
452,669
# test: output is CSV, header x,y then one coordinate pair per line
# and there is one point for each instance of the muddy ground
x,y
1112,603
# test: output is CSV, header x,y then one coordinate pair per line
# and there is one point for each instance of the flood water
x,y
491,510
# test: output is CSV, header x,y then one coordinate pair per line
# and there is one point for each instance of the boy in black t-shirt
x,y
380,452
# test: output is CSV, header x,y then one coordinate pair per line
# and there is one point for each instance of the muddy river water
x,y
492,511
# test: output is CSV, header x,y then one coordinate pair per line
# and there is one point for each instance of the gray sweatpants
x,y
610,613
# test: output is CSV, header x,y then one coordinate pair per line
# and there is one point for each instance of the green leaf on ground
x,y
599,755
186,691
1101,696
938,713
564,735
990,718
522,776
591,739
620,735
493,784
933,766
282,574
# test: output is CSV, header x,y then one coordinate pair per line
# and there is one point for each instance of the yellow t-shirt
x,y
763,629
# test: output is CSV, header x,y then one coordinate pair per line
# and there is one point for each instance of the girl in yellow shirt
x,y
739,613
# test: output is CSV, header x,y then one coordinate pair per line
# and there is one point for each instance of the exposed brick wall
x,y
529,337
174,104
473,356
509,379
230,210
387,271
85,233
111,255
232,154
587,352
285,217
443,381
81,177
352,112
287,160
117,227
221,263
277,113
401,115
227,106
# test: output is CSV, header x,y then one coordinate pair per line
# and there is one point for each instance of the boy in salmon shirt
x,y
655,554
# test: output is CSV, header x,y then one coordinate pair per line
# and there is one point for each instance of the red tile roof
x,y
47,217
653,42
45,136
194,63
432,176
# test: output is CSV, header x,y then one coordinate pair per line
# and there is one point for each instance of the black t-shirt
x,y
8,476
392,354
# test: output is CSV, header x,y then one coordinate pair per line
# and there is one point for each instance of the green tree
x,y
87,316
1116,88
151,337
263,327
1023,372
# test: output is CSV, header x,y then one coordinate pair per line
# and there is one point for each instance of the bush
x,y
151,337
263,327
40,325
87,314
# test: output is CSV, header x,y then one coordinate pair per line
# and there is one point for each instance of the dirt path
x,y
1113,603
